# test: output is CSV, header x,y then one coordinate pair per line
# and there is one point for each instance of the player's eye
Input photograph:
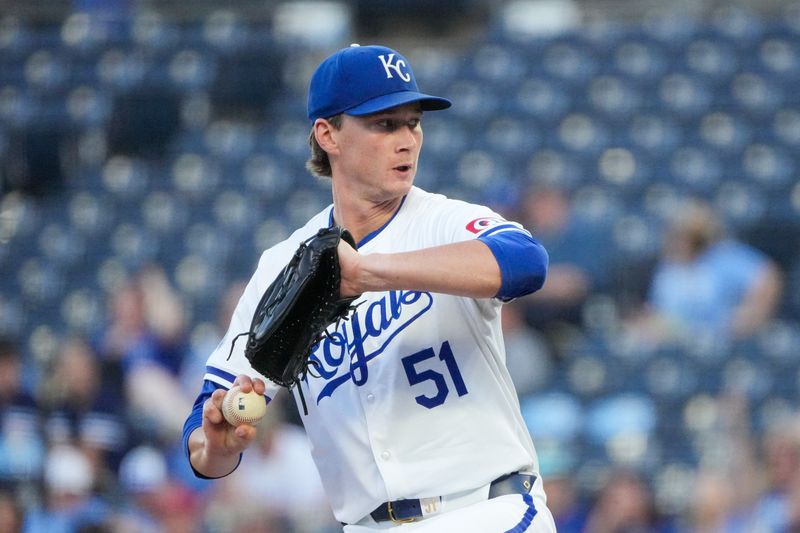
x,y
387,124
393,124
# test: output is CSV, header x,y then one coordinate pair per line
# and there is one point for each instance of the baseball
x,y
243,407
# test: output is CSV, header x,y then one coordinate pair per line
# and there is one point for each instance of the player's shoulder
x,y
465,218
423,200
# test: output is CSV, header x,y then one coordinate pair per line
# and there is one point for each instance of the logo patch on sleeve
x,y
480,224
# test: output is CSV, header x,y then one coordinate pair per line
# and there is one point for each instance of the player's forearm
x,y
464,269
209,462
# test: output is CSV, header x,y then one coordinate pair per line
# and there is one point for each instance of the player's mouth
x,y
403,168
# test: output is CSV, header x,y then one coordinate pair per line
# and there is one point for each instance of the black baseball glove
x,y
297,308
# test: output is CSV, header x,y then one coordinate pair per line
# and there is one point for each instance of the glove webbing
x,y
308,362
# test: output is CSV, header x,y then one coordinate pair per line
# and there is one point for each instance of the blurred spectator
x,y
712,502
147,323
732,477
142,473
563,498
781,453
624,505
82,410
707,284
276,487
10,512
717,506
146,340
793,518
557,464
580,258
154,503
528,357
69,503
21,441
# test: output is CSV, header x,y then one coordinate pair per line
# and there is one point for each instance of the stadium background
x,y
150,150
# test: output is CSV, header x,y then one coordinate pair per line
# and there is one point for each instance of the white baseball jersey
x,y
412,397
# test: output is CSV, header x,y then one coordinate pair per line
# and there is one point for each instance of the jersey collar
x,y
375,233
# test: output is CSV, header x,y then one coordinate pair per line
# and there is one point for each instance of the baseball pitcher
x,y
413,420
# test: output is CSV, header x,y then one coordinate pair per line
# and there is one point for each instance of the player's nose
x,y
408,138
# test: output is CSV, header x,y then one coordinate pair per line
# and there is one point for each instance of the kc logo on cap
x,y
397,66
360,80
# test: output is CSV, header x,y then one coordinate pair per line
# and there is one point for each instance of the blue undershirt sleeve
x,y
195,420
523,262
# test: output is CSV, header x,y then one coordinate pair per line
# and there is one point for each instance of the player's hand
x,y
221,437
350,267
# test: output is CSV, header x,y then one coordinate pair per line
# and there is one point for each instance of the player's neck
x,y
362,217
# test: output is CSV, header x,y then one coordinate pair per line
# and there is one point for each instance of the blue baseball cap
x,y
360,80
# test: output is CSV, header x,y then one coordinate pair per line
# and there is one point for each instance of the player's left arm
x,y
504,265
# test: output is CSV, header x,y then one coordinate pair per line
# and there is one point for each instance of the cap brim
x,y
388,101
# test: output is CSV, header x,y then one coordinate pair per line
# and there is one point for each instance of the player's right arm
x,y
215,446
508,266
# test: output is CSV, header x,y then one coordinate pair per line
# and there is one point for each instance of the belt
x,y
410,510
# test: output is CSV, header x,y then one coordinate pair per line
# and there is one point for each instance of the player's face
x,y
379,153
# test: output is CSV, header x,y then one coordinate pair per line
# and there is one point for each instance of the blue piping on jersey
x,y
375,233
230,378
502,227
527,518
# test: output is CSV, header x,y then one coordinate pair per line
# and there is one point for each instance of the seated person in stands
x,y
581,262
707,283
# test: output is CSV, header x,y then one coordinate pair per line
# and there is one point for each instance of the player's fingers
x,y
259,386
212,407
348,267
238,439
244,382
217,396
245,433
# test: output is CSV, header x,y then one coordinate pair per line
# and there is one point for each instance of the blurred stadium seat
x,y
542,99
194,176
164,214
640,59
613,97
554,416
569,60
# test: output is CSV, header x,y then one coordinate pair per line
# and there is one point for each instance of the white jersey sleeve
x,y
456,220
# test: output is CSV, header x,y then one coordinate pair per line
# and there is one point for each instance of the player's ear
x,y
325,133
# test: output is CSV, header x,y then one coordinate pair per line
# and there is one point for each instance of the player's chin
x,y
402,179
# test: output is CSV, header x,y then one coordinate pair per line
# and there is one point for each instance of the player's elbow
x,y
540,260
523,263
532,278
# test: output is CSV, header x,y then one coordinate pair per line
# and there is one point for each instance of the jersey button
x,y
386,455
370,397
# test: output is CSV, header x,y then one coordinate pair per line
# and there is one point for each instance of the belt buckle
x,y
395,519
